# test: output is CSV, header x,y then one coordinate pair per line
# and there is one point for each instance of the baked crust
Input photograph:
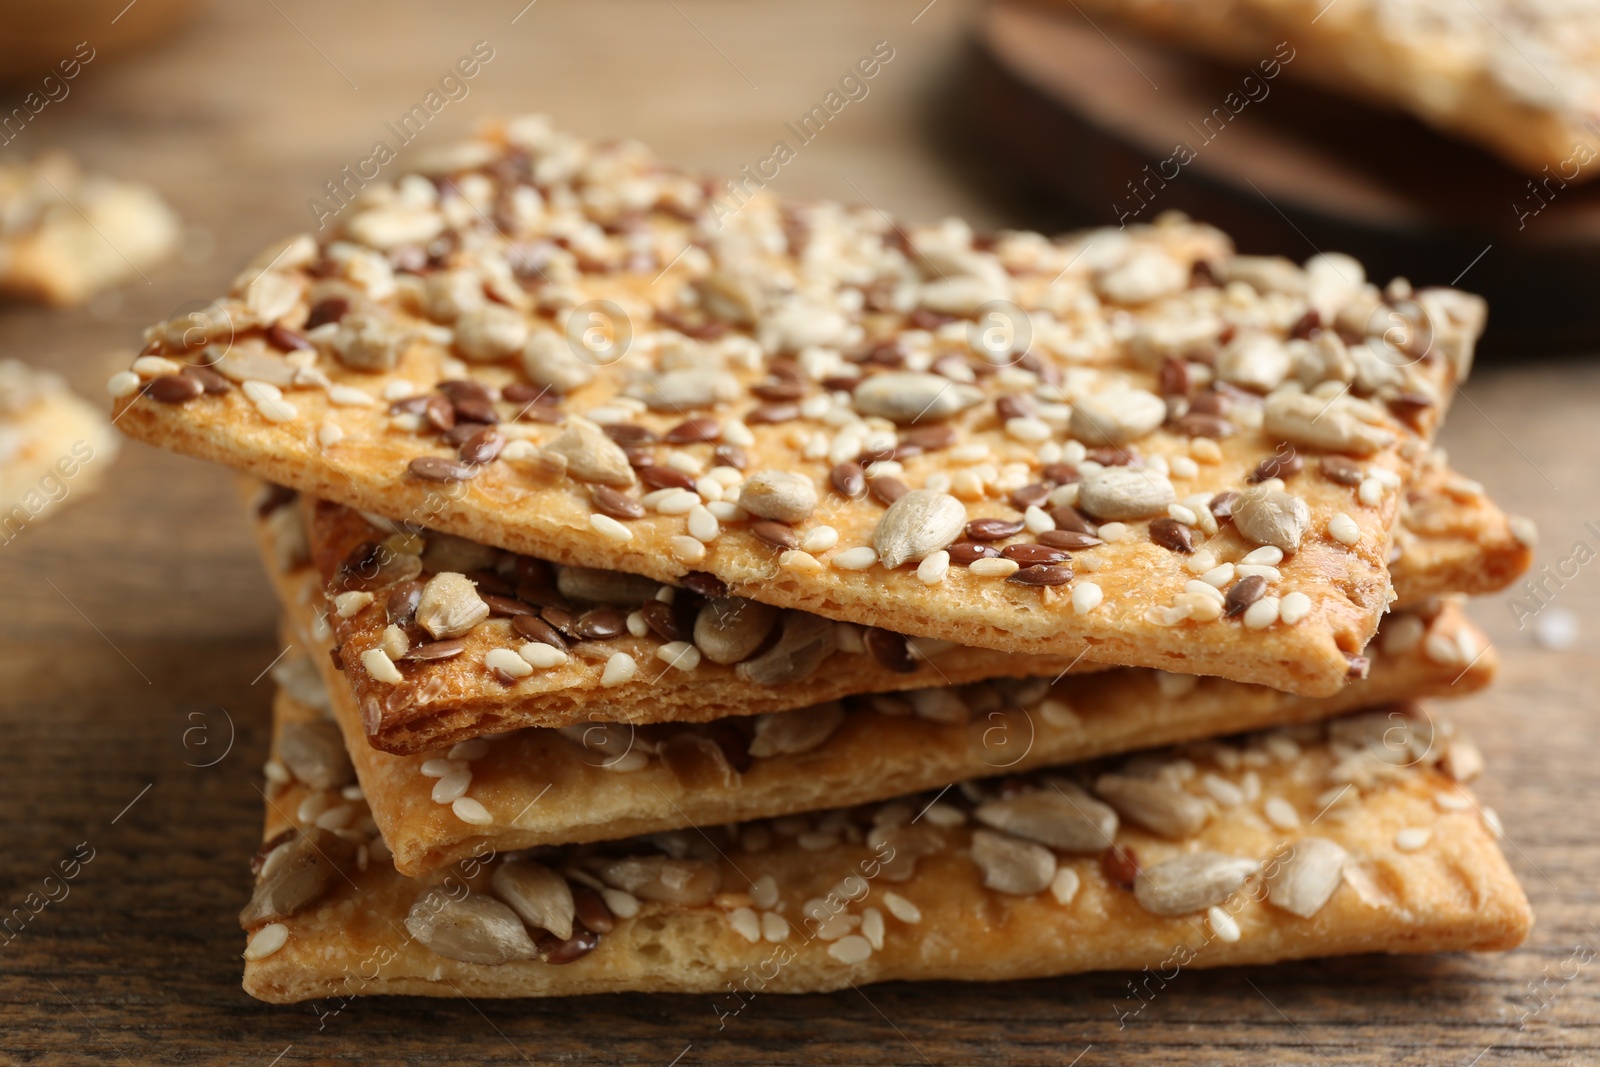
x,y
1420,872
822,305
1469,546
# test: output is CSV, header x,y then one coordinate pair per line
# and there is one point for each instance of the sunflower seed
x,y
781,495
314,752
681,390
450,606
490,333
1157,806
474,929
1333,425
730,629
1020,868
906,397
921,522
1116,416
593,586
1070,820
1304,881
591,455
789,733
1271,517
305,871
660,878
550,363
805,642
1191,882
540,896
1123,493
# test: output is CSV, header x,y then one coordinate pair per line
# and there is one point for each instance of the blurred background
x,y
1010,115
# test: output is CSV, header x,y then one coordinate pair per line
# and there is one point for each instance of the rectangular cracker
x,y
1360,839
438,702
1513,78
598,780
984,374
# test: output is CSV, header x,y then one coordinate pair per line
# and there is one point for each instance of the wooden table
x,y
136,625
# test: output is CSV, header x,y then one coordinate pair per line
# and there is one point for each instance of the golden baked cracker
x,y
1512,77
598,780
65,235
53,445
1353,836
550,338
455,694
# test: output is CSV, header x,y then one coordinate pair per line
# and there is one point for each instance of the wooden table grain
x,y
135,626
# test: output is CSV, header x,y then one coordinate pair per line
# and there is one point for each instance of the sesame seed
x,y
1063,495
477,748
1281,813
1491,819
1412,838
1246,570
1371,492
1262,614
872,927
1222,791
1205,589
268,400
1343,529
764,891
799,562
276,773
1265,556
265,941
1029,430
679,654
620,669
1037,520
609,528
348,396
438,768
539,654
1219,575
994,567
819,539
452,787
745,923
901,908
623,904
636,624
381,667
1222,924
686,549
1086,596
1452,802
503,659
1112,532
934,567
726,511
1064,886
1205,450
774,928
1294,607
1182,514
703,525
852,948
855,559
329,433
1525,530
471,812
1183,467
678,502
123,384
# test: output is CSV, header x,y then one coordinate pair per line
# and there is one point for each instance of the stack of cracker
x,y
690,590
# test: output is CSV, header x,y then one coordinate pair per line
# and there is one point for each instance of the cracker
x,y
1510,77
437,702
65,235
53,444
1367,844
1012,378
1452,539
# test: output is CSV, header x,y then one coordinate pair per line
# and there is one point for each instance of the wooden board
x,y
1122,129
136,622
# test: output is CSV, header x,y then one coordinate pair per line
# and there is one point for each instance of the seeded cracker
x,y
1514,76
423,367
65,235
1350,837
53,445
702,657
